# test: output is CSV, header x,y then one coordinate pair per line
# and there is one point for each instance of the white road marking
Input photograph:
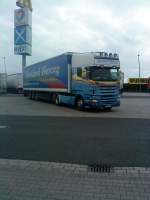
x,y
3,127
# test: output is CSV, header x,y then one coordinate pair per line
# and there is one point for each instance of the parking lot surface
x,y
131,107
64,142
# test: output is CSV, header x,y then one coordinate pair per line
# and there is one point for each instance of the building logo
x,y
23,35
20,14
20,36
23,17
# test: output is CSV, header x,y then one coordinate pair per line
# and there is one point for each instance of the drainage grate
x,y
100,168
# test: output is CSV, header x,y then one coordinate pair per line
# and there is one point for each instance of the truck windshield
x,y
103,74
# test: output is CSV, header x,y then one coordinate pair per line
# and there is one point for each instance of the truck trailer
x,y
83,80
3,84
15,83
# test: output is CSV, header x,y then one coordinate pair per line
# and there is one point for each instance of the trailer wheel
x,y
25,94
55,99
79,103
37,96
30,95
33,95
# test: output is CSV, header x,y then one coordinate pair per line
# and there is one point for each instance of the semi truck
x,y
83,80
3,84
15,83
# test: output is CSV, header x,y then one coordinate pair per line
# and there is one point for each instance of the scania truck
x,y
83,80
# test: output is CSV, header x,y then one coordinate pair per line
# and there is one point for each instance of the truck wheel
x,y
37,96
30,95
108,109
57,100
80,103
33,95
25,94
53,98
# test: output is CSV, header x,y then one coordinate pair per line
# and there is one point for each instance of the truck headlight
x,y
94,101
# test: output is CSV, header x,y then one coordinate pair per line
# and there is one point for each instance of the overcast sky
x,y
82,25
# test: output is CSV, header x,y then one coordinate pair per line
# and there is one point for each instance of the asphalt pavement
x,y
16,105
120,142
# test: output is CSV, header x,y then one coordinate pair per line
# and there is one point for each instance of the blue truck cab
x,y
84,80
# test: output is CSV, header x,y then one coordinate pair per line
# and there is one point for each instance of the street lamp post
x,y
23,31
4,58
139,63
5,69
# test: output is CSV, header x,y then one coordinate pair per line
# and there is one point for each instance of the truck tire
x,y
37,96
33,95
80,103
30,95
108,109
25,94
55,99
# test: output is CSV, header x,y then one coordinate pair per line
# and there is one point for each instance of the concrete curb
x,y
71,168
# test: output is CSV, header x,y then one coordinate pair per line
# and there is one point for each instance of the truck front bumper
x,y
97,104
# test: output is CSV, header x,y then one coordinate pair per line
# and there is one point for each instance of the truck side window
x,y
79,71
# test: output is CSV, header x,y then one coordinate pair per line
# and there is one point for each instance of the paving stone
x,y
30,180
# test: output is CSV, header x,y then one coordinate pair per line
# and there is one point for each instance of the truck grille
x,y
109,94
